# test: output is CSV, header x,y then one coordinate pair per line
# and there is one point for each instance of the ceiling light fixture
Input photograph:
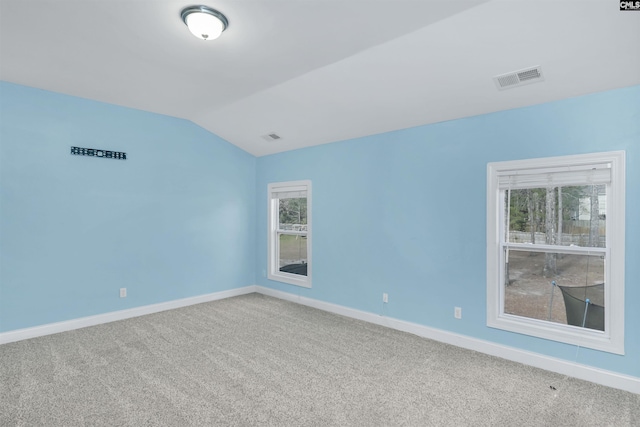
x,y
203,22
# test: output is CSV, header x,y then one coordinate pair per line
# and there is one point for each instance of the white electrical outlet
x,y
457,312
123,292
385,297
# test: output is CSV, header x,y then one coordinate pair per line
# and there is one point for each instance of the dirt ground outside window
x,y
528,293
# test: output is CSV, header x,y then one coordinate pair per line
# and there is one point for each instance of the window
x,y
290,232
555,248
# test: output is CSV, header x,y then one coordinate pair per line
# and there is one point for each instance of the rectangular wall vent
x,y
272,136
519,78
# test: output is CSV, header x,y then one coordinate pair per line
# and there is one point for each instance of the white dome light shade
x,y
204,26
204,23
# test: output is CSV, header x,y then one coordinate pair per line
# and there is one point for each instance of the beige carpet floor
x,y
259,361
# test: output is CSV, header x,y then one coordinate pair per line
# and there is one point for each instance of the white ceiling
x,y
318,71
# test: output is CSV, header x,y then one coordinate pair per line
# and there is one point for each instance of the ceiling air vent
x,y
272,136
519,78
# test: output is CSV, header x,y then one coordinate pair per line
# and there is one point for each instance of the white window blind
x,y
289,193
555,177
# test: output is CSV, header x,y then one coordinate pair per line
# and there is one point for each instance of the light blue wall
x,y
185,215
405,213
176,219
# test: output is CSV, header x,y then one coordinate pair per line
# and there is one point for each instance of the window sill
x,y
567,334
291,279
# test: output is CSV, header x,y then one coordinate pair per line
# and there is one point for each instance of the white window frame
x,y
273,269
612,338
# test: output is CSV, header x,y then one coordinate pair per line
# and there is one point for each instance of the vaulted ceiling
x,y
319,71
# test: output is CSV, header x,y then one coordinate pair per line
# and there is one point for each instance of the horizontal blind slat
x,y
289,192
555,177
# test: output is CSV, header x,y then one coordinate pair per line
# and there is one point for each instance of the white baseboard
x,y
564,367
560,366
83,322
